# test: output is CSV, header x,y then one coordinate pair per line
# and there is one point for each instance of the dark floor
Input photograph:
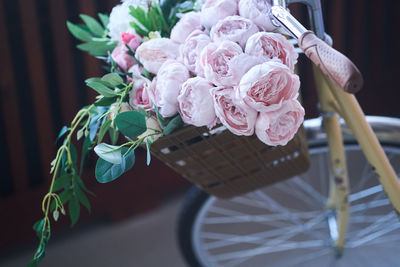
x,y
144,241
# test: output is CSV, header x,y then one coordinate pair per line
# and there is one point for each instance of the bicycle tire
x,y
197,203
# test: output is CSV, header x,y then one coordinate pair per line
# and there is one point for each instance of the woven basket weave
x,y
226,165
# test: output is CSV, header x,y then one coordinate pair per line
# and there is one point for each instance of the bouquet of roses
x,y
171,65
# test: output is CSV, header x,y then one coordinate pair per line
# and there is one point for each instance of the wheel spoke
x,y
271,249
389,228
262,238
286,224
257,218
365,193
309,190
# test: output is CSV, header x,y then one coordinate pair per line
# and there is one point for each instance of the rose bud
x,y
168,83
185,26
121,56
234,28
139,96
196,104
131,39
272,46
224,64
264,87
239,119
153,53
278,127
215,10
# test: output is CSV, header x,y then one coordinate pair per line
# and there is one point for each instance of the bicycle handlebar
x,y
334,64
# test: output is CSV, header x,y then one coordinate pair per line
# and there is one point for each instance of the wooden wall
x,y
41,88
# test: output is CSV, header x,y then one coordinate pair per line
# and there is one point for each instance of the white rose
x,y
120,18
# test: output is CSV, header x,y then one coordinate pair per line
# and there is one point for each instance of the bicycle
x,y
319,217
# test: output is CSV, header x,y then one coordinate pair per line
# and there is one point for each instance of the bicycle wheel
x,y
286,224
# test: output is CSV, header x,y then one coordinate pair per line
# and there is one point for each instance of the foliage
x,y
91,124
93,34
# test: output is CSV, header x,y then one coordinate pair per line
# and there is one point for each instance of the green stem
x,y
75,123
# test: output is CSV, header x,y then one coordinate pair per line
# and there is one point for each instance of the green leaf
x,y
139,30
113,79
167,5
65,196
174,124
82,197
63,131
161,120
99,80
79,32
62,182
97,48
131,123
38,227
79,181
156,19
74,210
95,121
105,101
94,26
103,130
32,263
109,153
141,16
104,19
107,172
101,89
86,146
74,154
148,153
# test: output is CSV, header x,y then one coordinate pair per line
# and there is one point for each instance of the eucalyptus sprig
x,y
106,115
92,123
65,175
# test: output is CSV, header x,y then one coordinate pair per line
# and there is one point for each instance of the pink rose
x,y
191,49
196,104
132,40
279,127
233,28
122,58
215,10
225,63
153,53
185,26
272,45
139,96
264,87
239,119
168,83
258,12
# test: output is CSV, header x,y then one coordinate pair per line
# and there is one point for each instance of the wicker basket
x,y
226,165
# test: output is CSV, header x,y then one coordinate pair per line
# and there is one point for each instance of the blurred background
x,y
41,89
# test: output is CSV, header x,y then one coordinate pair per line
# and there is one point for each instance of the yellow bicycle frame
x,y
334,101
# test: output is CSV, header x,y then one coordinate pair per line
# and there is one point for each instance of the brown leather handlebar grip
x,y
335,65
